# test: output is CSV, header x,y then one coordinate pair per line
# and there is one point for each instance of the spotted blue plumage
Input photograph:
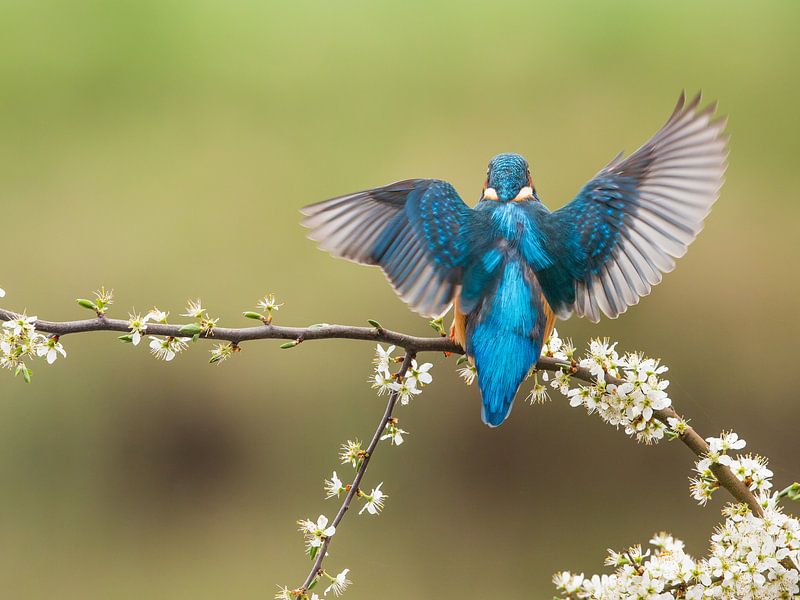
x,y
509,262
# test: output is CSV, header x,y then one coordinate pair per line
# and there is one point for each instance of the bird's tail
x,y
502,346
502,367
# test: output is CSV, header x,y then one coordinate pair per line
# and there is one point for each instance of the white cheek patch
x,y
525,193
490,194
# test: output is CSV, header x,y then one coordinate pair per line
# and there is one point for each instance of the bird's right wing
x,y
415,230
627,225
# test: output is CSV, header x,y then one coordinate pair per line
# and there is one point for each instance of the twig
x,y
316,570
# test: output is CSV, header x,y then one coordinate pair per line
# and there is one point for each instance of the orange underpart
x,y
458,331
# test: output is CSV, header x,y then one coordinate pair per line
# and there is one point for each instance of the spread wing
x,y
624,229
415,230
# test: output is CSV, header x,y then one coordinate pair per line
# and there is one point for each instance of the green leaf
x,y
374,323
26,373
190,329
792,492
86,303
253,315
461,360
288,345
438,326
126,338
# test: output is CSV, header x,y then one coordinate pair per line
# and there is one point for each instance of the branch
x,y
244,334
412,344
690,437
316,570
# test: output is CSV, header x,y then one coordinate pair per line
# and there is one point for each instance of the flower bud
x,y
86,303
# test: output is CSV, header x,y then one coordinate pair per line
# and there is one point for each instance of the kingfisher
x,y
510,267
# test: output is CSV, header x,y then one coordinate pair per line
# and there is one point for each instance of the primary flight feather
x,y
510,266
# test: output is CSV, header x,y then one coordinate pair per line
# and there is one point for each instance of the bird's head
x,y
509,179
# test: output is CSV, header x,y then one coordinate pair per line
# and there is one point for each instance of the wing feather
x,y
637,215
414,230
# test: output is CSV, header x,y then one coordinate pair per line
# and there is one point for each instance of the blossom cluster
x,y
751,556
385,382
20,343
163,348
750,469
748,559
167,348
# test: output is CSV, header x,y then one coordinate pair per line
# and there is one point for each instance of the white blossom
x,y
468,373
167,348
315,532
21,325
334,486
269,303
339,583
156,315
418,374
138,325
194,309
351,452
284,593
393,433
538,394
51,349
382,381
375,500
383,358
405,390
222,352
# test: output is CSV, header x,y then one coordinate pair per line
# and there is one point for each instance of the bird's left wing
x,y
415,230
612,243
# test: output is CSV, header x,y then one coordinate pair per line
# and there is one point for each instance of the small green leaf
x,y
86,303
461,360
126,338
190,329
437,325
792,492
374,323
288,345
26,373
253,315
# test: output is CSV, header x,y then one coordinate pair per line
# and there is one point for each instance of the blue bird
x,y
510,266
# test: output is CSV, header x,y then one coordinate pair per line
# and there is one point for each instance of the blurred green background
x,y
163,148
